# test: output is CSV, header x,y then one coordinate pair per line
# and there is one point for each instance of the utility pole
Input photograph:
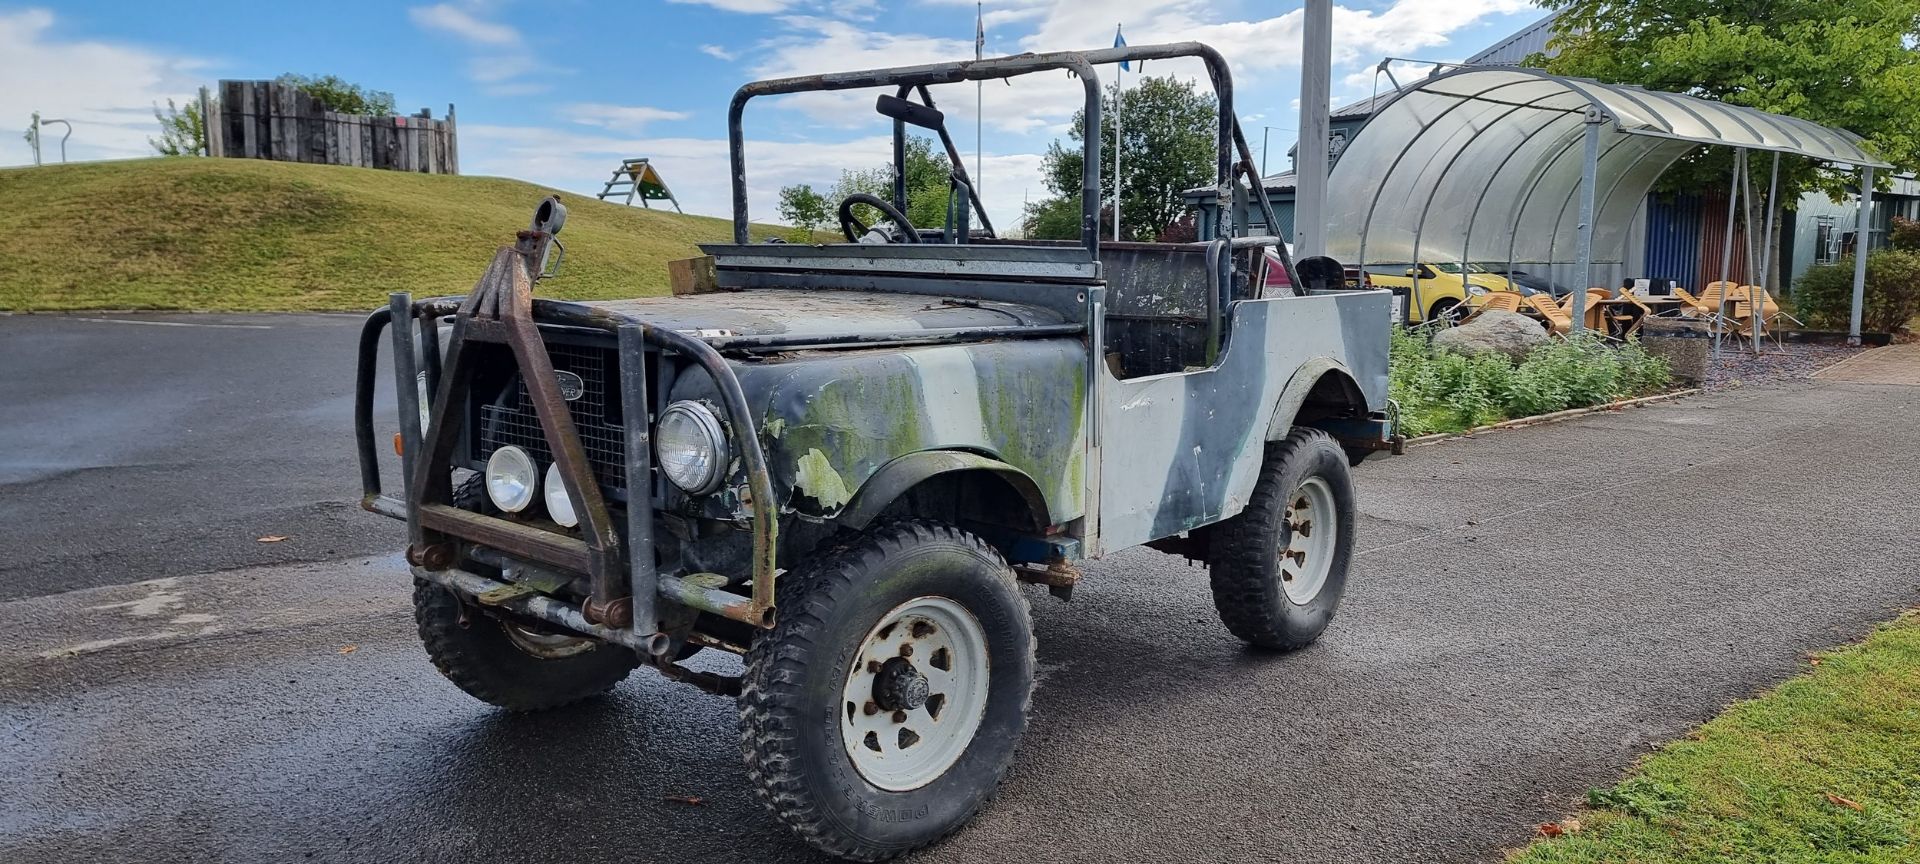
x,y
1119,142
979,92
1266,132
1310,184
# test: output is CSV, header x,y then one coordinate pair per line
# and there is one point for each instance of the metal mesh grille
x,y
596,413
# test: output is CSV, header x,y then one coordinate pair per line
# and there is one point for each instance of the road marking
x,y
159,600
175,323
99,645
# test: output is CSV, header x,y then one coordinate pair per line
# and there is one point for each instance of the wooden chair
x,y
1740,309
1625,315
1594,318
1557,319
1710,303
1771,313
1691,306
1499,301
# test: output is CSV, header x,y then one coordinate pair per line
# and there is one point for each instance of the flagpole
x,y
1119,89
979,92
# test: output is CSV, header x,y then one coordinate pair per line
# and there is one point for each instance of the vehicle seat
x,y
1157,306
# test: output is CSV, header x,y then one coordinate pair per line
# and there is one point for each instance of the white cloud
x,y
751,7
1264,43
815,45
1002,17
106,90
501,56
718,52
628,118
697,169
451,19
500,68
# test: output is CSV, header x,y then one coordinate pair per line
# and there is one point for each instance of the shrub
x,y
1440,391
1906,235
1824,295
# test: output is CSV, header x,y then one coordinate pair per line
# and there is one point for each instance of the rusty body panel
x,y
830,420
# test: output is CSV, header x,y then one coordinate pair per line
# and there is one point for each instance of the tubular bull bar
x,y
626,584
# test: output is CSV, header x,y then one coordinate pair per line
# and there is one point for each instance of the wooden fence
x,y
268,120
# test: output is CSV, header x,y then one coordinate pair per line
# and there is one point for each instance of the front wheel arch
x,y
891,485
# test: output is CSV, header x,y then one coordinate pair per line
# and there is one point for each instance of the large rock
x,y
1493,332
1684,342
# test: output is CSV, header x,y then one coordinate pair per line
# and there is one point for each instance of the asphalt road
x,y
143,446
1531,611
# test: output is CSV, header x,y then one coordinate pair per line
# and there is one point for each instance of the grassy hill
x,y
245,235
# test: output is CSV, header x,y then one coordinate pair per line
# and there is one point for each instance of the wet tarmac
x,y
141,446
1531,611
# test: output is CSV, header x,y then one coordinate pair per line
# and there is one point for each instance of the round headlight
x,y
511,479
1476,290
690,447
559,506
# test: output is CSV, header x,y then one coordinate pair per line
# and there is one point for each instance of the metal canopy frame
x,y
1520,165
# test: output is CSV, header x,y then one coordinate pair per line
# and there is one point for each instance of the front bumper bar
x,y
622,574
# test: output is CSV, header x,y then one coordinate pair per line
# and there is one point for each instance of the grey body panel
x,y
1177,450
1182,450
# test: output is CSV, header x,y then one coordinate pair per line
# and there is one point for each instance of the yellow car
x,y
1443,291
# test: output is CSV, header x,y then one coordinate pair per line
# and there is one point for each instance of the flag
x,y
979,31
1120,41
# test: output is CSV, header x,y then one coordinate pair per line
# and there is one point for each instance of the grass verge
x,y
1825,768
250,235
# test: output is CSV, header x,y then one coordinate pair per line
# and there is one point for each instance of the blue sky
x,y
558,91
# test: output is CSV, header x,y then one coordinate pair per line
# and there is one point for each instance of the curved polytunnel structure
x,y
1485,165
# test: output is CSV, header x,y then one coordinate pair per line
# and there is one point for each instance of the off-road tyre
x,y
1244,562
480,658
792,697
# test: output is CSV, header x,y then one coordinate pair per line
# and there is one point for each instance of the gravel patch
x,y
1738,365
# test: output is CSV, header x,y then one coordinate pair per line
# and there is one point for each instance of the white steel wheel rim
x,y
545,646
1313,528
896,743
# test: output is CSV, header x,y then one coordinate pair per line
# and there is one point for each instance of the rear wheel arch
x,y
1321,389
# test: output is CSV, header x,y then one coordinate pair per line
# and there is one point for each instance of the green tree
x,y
927,175
805,209
1842,63
1169,128
182,132
338,94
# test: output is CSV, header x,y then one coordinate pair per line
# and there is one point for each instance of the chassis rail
x,y
620,576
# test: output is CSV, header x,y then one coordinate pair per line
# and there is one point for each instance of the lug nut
x,y
871,708
899,716
906,649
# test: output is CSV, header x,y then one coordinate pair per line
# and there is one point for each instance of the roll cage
x,y
907,80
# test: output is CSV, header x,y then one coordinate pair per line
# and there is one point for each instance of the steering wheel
x,y
855,229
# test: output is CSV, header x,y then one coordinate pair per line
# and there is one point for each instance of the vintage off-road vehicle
x,y
840,461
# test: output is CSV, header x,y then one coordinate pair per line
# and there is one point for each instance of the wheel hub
x,y
915,693
900,687
1309,542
